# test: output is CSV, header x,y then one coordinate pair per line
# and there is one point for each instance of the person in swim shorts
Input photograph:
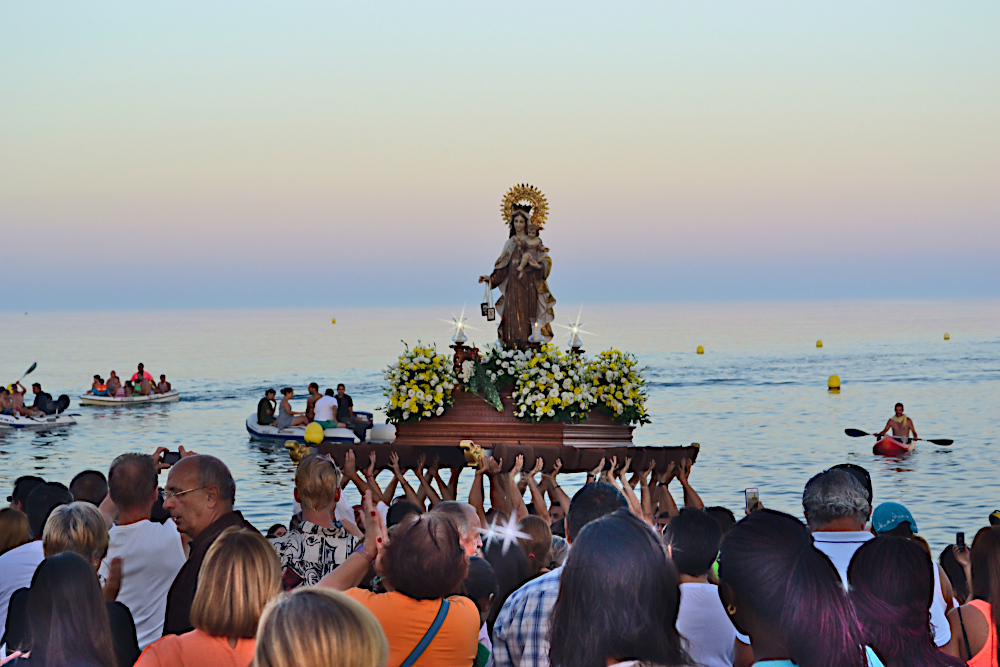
x,y
900,425
325,411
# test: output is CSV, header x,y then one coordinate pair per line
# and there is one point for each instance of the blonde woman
x,y
240,575
77,528
341,632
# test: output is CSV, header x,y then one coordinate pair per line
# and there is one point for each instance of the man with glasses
x,y
199,494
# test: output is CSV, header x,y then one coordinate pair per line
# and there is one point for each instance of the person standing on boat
x,y
141,374
314,396
345,405
266,407
901,426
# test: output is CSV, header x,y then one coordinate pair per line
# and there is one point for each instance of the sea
x,y
756,401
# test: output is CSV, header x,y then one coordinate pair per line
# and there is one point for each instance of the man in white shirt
x,y
693,539
837,507
151,553
325,411
18,565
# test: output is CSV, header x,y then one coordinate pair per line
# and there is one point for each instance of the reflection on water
x,y
756,401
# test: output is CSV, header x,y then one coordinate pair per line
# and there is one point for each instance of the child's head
x,y
480,585
533,230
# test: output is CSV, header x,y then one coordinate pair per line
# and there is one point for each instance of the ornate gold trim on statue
x,y
525,193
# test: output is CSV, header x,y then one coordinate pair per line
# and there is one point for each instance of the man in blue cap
x,y
893,519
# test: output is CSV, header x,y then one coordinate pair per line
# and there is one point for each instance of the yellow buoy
x,y
700,350
314,434
947,336
333,321
819,343
833,384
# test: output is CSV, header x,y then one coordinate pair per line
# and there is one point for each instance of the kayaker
x,y
163,386
901,426
266,407
17,392
140,374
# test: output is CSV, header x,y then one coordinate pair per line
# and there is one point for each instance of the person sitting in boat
x,y
114,385
325,411
140,373
286,416
901,426
99,387
129,389
43,400
17,392
314,396
163,386
145,385
266,407
6,405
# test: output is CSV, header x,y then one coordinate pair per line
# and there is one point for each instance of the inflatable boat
x,y
138,399
36,423
297,433
891,447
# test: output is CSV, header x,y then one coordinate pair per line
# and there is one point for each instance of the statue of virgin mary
x,y
524,291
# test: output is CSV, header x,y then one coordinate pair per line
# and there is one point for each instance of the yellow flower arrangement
x,y
618,386
554,386
419,385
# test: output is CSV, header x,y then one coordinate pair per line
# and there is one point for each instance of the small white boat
x,y
36,423
168,397
297,433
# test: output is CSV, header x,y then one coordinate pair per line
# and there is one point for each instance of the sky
x,y
252,154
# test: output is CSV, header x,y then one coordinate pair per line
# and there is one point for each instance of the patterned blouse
x,y
309,555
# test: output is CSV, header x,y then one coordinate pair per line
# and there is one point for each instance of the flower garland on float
x,y
419,384
618,386
553,385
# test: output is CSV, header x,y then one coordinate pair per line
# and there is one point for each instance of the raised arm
x,y
691,497
351,572
372,483
446,492
477,494
646,497
666,501
592,475
498,486
351,472
556,494
516,499
407,489
633,501
537,497
425,485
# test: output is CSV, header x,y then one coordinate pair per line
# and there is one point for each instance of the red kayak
x,y
891,447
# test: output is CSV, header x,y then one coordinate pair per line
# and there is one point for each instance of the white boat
x,y
36,423
168,397
297,433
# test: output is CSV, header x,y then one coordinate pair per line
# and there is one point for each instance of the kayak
x,y
45,422
169,397
891,447
297,433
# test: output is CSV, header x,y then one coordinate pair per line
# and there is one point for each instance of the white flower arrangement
x,y
419,385
553,385
618,386
505,366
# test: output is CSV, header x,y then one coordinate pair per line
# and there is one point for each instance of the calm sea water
x,y
756,400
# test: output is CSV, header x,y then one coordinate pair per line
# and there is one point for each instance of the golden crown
x,y
522,194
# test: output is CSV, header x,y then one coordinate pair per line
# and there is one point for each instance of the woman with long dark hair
x,y
892,588
786,595
974,625
618,599
66,616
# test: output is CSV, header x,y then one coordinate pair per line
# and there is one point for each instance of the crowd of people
x,y
142,383
331,409
131,568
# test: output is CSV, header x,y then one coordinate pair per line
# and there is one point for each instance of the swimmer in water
x,y
901,426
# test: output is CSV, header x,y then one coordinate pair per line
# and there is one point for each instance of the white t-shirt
x,y
17,567
703,623
325,409
152,554
840,547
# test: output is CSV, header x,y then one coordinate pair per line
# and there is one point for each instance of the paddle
x,y
27,372
855,433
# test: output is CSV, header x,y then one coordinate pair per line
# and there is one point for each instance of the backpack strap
x,y
429,636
